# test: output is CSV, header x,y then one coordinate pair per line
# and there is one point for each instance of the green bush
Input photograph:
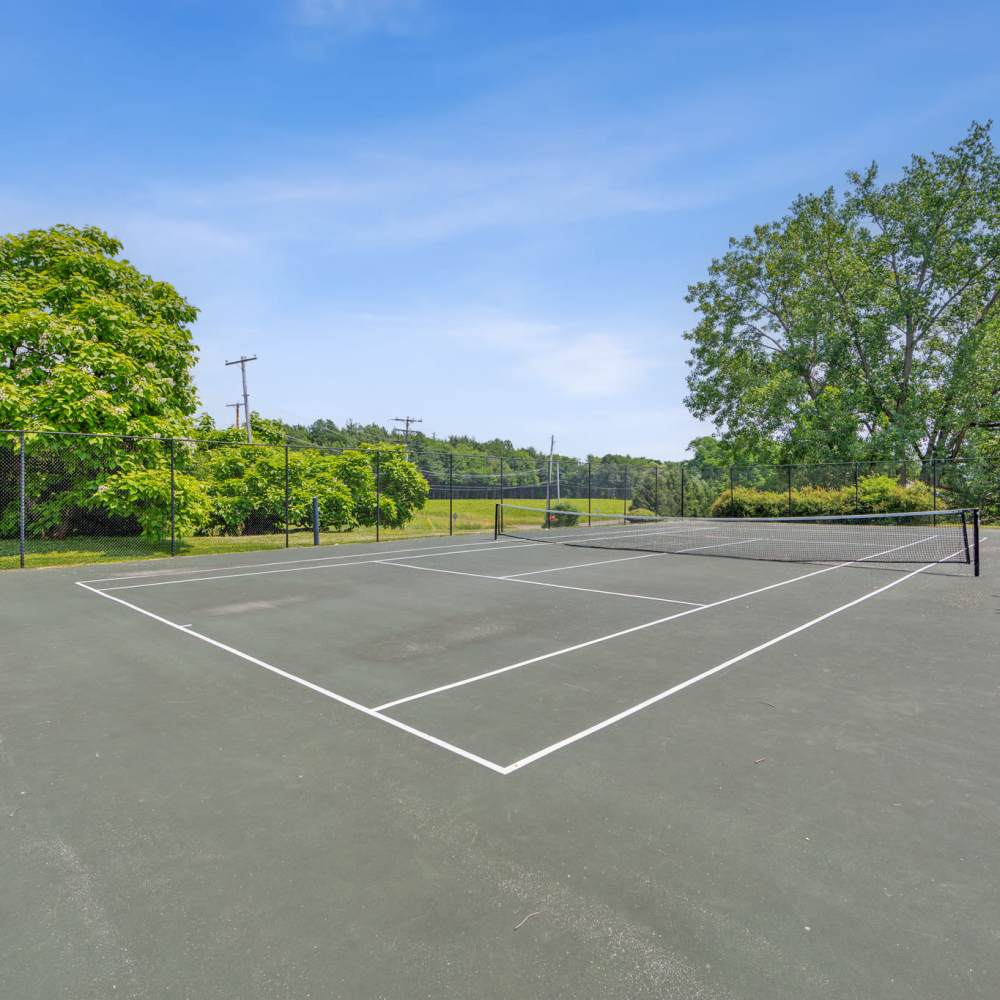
x,y
885,495
875,495
562,515
145,495
744,501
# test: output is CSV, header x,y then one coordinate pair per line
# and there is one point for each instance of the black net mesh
x,y
920,537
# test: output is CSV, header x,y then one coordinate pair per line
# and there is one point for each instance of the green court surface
x,y
467,768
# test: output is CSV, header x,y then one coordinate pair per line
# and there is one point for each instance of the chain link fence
x,y
68,498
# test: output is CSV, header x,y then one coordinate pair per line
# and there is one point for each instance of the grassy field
x,y
469,516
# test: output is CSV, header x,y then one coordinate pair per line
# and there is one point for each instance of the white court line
x,y
722,545
373,713
145,574
540,583
626,631
597,727
559,569
306,569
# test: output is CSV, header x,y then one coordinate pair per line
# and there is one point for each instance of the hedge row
x,y
874,495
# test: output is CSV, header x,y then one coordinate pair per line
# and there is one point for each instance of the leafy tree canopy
x,y
860,326
87,342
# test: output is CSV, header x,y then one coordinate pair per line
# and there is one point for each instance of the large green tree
x,y
866,325
87,342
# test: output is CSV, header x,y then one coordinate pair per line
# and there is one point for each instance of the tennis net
x,y
944,536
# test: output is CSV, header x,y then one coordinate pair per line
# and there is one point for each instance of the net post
x,y
975,541
22,507
315,520
496,522
378,497
451,492
682,489
173,504
287,498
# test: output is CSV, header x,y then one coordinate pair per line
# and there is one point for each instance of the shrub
x,y
875,495
562,515
885,495
144,494
744,501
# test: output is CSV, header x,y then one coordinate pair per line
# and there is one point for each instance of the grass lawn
x,y
469,516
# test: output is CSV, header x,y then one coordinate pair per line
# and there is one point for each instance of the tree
x,y
862,326
87,342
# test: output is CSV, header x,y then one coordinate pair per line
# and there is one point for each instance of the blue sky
x,y
485,214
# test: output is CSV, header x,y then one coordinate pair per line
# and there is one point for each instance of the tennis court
x,y
501,767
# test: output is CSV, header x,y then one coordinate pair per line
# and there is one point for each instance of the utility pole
x,y
246,396
407,422
237,405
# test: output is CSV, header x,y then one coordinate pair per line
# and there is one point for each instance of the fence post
x,y
682,489
451,492
287,498
590,493
173,504
732,499
501,478
21,503
789,491
378,498
315,520
656,489
625,494
934,482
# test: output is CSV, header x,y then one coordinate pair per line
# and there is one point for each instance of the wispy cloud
x,y
359,16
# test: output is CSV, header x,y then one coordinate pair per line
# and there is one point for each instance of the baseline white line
x,y
141,574
303,569
559,569
590,730
373,713
626,631
541,583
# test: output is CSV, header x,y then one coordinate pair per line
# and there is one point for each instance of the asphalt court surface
x,y
813,815
380,632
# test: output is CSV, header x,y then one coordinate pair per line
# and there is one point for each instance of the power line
x,y
246,396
